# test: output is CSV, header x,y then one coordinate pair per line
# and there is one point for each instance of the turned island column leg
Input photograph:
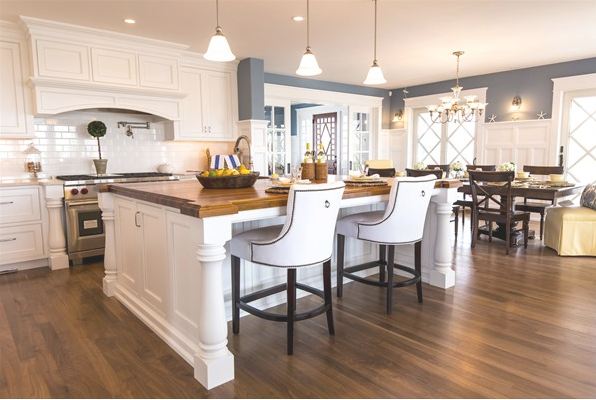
x,y
106,203
442,274
54,195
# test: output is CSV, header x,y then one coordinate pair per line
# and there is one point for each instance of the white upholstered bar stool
x,y
401,223
305,239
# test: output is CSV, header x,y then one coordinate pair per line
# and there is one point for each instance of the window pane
x,y
581,145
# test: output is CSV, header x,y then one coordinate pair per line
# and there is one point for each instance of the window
x,y
438,143
277,140
359,139
580,140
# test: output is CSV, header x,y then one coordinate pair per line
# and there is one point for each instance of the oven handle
x,y
81,203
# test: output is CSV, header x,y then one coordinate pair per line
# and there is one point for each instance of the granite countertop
x,y
192,199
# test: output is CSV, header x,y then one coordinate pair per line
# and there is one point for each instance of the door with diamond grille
x,y
325,133
438,143
579,137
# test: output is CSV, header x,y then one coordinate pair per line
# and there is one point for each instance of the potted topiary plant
x,y
98,129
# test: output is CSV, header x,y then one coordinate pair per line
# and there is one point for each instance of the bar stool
x,y
305,239
402,222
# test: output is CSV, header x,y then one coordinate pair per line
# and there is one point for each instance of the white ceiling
x,y
416,37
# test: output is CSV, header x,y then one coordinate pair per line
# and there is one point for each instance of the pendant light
x,y
375,74
219,49
308,65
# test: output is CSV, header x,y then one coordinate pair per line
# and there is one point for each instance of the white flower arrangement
x,y
420,166
508,166
456,166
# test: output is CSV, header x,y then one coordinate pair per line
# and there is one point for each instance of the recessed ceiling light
x,y
298,18
130,21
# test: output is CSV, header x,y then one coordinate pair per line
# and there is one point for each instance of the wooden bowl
x,y
228,182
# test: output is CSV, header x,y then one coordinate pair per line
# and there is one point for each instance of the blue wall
x,y
533,85
335,87
251,89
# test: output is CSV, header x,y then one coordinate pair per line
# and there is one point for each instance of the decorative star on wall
x,y
492,118
541,115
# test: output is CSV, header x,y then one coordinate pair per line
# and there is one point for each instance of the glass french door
x,y
438,143
278,138
359,146
579,137
325,133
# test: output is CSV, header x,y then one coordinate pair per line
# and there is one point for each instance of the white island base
x,y
173,270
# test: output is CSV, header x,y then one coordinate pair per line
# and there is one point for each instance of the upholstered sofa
x,y
571,231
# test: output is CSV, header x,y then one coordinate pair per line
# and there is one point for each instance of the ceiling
x,y
416,37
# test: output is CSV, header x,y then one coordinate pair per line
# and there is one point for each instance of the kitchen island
x,y
166,253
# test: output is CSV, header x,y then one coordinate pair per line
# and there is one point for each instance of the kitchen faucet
x,y
238,152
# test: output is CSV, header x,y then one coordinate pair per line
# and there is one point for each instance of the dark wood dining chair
x,y
443,167
468,203
382,172
485,168
495,187
439,174
533,206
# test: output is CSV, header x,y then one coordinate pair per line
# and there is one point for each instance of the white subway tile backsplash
x,y
67,148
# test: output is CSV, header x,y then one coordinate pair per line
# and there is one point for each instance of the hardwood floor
x,y
522,325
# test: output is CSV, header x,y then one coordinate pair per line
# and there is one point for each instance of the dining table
x,y
531,189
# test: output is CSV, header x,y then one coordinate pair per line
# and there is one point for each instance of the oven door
x,y
84,228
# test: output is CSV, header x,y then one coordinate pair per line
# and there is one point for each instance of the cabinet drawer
x,y
21,243
19,205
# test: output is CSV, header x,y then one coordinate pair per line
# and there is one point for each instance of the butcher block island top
x,y
192,199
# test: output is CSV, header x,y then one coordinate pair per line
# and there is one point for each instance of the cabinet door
x,y
156,276
62,60
12,102
21,243
217,103
128,243
158,72
111,66
191,123
19,205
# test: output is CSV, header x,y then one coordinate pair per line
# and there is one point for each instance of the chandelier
x,y
452,108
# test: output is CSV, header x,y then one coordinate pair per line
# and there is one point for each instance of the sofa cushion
x,y
588,198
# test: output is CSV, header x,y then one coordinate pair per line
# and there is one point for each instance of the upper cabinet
x,y
15,120
158,72
113,66
62,60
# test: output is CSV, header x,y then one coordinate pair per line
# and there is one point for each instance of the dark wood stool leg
x,y
382,259
328,295
390,263
541,224
526,227
418,268
341,241
235,294
456,219
291,300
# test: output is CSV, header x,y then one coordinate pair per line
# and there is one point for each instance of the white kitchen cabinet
x,y
158,72
142,257
19,204
22,242
208,111
62,60
13,116
113,66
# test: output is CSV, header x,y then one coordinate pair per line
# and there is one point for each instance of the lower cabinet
x,y
21,243
141,251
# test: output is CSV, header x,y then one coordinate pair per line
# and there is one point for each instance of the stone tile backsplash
x,y
67,148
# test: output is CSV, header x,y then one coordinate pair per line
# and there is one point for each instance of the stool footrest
x,y
349,273
243,303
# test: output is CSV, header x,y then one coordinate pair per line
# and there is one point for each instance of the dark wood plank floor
x,y
517,326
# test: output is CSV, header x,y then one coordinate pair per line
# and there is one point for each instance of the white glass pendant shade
x,y
375,75
219,49
308,65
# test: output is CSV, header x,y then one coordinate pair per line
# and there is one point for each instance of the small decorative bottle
x,y
308,155
321,154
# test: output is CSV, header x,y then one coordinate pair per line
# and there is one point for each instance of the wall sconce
x,y
399,116
516,103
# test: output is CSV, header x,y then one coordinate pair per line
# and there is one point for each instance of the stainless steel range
x,y
84,226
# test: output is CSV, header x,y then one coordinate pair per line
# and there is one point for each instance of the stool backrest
x,y
308,233
424,172
403,221
383,172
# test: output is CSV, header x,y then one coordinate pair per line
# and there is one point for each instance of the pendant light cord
x,y
308,23
217,12
457,73
375,44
